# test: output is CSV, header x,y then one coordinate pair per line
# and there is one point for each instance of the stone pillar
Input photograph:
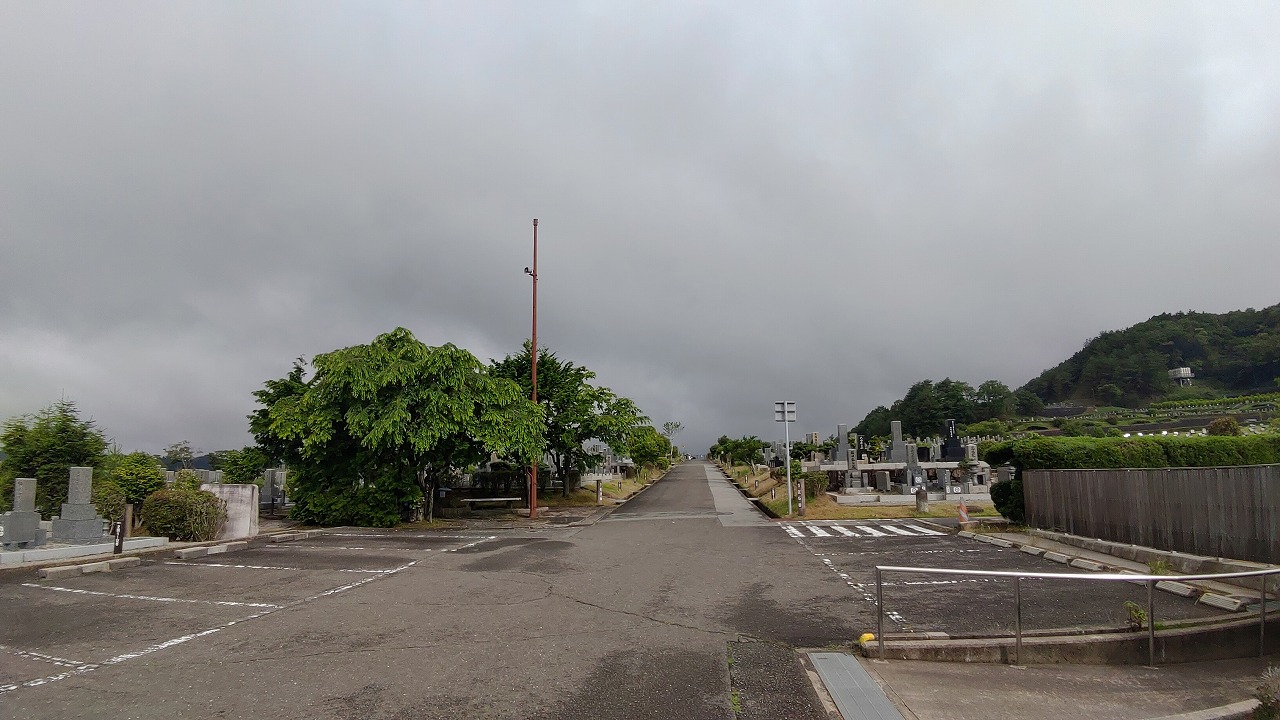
x,y
897,449
79,521
20,528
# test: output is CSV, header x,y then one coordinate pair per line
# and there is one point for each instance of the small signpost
x,y
784,411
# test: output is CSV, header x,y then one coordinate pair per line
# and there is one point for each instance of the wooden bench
x,y
472,502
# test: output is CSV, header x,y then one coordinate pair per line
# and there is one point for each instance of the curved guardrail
x,y
1019,575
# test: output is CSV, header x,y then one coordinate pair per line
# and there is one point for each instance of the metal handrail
x,y
1018,576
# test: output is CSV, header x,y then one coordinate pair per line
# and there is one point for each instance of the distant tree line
x,y
927,406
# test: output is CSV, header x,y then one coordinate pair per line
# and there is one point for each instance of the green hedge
x,y
1076,453
1215,402
183,514
1072,453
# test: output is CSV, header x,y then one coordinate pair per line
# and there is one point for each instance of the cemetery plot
x,y
55,629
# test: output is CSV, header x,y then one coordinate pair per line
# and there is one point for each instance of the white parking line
x,y
82,669
122,596
28,654
263,567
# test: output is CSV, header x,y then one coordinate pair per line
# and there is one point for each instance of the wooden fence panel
x,y
1230,512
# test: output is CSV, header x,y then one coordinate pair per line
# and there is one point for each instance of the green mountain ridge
x,y
1232,352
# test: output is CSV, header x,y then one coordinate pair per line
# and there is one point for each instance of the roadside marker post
x,y
964,511
784,411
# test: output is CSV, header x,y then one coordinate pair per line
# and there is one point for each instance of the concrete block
x,y
1177,588
1031,550
284,537
235,546
1087,565
216,549
125,562
242,509
1057,557
1000,542
145,542
1221,601
57,573
962,533
188,553
104,566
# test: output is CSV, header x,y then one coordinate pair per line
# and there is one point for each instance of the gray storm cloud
x,y
739,202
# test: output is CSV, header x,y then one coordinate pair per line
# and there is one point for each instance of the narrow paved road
x,y
682,604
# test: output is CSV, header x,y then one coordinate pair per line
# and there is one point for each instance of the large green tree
x,y
377,427
575,411
646,446
44,446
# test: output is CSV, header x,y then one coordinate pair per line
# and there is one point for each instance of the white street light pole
x,y
784,411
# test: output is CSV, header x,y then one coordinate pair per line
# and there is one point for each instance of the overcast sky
x,y
739,202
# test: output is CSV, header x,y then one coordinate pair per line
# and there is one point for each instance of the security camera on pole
x,y
784,411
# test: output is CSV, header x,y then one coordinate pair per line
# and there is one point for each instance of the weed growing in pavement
x,y
1158,567
1268,695
735,701
1137,616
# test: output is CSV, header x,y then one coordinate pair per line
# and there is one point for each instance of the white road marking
x,y
28,654
792,531
844,531
897,530
923,530
819,532
89,667
872,532
150,598
264,567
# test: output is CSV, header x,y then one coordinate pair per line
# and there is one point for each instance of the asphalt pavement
x,y
683,603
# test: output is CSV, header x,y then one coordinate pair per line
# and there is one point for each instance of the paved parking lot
x,y
960,605
55,630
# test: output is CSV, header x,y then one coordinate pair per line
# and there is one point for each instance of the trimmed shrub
x,y
1008,499
183,514
1224,426
138,475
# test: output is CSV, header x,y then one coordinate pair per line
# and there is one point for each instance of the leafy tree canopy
x,y
45,446
746,449
378,426
646,446
927,406
138,475
575,411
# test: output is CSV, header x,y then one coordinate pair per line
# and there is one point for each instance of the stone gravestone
x,y
79,522
882,480
21,526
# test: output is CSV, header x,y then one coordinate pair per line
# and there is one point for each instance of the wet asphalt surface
x,y
669,608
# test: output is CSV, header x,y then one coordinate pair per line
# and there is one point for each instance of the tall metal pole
x,y
787,425
533,355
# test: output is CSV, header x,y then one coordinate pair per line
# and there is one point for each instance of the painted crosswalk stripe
x,y
793,532
923,530
819,532
844,531
897,530
871,531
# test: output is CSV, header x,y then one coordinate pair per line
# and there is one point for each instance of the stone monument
x,y
79,521
20,528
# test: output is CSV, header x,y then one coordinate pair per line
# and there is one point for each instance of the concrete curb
x,y
62,571
1223,602
1235,711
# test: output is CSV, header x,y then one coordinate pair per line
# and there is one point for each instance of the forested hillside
x,y
1237,351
